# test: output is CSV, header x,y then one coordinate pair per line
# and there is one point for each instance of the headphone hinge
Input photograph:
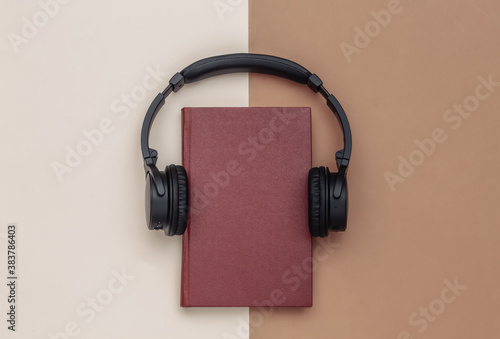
x,y
152,170
342,163
152,158
341,175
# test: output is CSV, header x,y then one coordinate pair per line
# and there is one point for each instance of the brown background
x,y
442,222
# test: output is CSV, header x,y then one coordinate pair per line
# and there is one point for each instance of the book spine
x,y
186,160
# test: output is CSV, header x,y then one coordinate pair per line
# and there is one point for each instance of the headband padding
x,y
242,62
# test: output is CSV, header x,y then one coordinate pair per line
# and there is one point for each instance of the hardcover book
x,y
247,242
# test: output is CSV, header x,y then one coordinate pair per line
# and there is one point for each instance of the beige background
x,y
443,221
74,234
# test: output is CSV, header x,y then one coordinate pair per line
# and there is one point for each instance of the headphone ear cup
x,y
156,205
183,196
338,207
317,196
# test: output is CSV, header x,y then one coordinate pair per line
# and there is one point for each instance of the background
x,y
419,80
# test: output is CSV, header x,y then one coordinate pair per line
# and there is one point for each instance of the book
x,y
247,241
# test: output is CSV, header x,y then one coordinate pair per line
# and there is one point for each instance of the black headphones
x,y
167,197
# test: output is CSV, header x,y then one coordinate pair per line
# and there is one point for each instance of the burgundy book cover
x,y
247,242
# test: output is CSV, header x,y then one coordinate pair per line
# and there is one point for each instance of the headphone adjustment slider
x,y
177,81
314,83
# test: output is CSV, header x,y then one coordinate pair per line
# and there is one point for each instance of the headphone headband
x,y
251,63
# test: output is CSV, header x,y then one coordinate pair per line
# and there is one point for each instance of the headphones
x,y
167,192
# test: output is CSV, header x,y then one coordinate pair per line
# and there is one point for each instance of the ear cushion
x,y
183,198
313,200
317,181
172,202
178,200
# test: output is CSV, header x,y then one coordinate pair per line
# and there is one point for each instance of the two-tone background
x,y
419,80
